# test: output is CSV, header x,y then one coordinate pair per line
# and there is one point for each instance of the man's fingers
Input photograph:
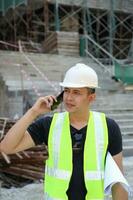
x,y
48,100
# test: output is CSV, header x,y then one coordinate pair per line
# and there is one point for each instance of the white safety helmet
x,y
80,75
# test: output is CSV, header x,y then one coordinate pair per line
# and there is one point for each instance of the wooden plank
x,y
66,43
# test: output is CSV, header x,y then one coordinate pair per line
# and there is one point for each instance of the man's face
x,y
77,99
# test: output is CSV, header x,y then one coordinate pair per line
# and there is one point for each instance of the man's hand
x,y
43,105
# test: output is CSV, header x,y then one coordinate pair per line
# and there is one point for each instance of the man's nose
x,y
69,96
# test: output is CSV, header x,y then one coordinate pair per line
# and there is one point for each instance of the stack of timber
x,y
63,43
23,166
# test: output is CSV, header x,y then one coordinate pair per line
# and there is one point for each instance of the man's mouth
x,y
69,105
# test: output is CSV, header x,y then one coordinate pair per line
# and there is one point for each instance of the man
x,y
78,140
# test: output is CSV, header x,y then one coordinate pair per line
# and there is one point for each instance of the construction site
x,y
39,41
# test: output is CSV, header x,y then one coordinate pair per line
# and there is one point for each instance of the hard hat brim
x,y
72,85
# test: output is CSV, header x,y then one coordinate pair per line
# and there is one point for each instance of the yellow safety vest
x,y
58,169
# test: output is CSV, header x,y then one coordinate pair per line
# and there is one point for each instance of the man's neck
x,y
79,120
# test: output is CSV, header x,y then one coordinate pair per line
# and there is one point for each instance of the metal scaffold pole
x,y
85,23
57,20
46,18
111,26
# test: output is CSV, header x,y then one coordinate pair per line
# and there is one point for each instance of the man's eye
x,y
65,90
76,92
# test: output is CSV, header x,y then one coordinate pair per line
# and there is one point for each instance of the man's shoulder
x,y
111,123
45,119
114,137
113,128
42,122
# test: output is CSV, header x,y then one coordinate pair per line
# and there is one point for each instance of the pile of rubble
x,y
21,167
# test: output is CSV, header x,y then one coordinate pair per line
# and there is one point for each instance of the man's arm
x,y
118,192
17,138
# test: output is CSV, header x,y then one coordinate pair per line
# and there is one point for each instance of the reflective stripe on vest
x,y
58,169
60,174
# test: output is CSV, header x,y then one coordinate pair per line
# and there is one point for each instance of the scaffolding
x,y
109,23
100,29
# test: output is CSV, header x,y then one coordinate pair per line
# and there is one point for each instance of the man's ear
x,y
92,97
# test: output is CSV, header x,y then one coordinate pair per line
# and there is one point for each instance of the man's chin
x,y
70,109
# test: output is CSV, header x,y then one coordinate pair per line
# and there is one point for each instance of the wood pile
x,y
64,43
26,165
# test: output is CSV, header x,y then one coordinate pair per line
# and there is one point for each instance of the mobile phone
x,y
59,99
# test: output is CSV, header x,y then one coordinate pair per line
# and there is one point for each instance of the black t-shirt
x,y
39,131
